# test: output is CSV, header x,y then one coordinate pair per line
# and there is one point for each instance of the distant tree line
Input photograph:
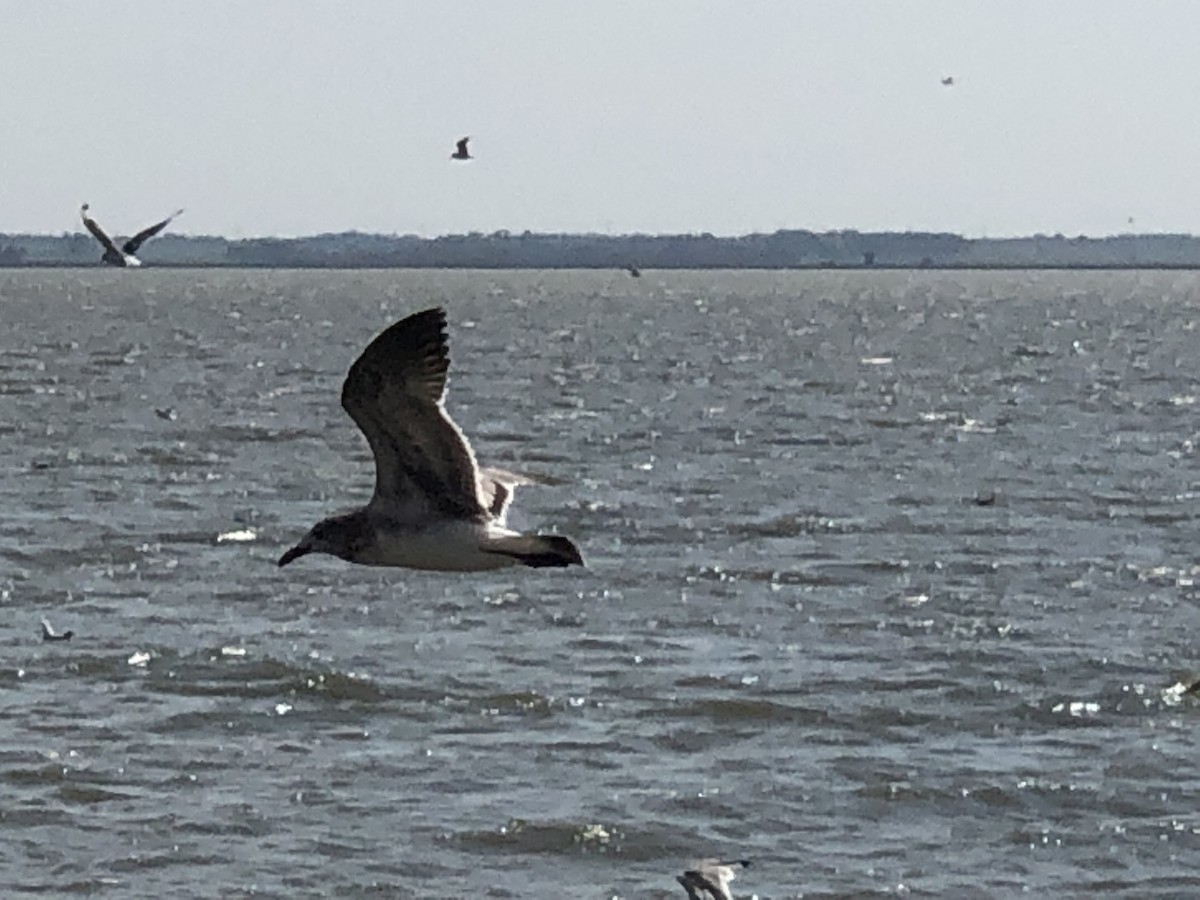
x,y
528,250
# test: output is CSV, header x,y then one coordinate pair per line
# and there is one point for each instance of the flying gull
x,y
461,152
711,876
433,507
49,634
948,81
125,255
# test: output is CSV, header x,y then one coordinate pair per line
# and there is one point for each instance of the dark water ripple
x,y
890,578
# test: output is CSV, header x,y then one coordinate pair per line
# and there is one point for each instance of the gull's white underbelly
x,y
449,547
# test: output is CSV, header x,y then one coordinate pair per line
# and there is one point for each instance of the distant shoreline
x,y
831,267
780,250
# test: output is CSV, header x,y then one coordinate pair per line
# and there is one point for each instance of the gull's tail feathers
x,y
539,551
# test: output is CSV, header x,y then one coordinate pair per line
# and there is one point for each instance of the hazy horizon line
x,y
1058,235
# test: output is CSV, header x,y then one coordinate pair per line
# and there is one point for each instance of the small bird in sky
x,y
461,152
948,81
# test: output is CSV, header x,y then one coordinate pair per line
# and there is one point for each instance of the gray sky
x,y
295,117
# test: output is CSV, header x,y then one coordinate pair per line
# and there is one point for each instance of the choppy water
x,y
889,573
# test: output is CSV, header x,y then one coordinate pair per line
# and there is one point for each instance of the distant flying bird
x,y
711,876
948,81
461,152
433,507
985,498
125,255
49,634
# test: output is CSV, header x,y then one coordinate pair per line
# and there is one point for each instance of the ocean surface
x,y
891,579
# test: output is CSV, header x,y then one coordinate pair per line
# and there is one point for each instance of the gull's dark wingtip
x,y
426,317
415,347
570,552
413,329
554,551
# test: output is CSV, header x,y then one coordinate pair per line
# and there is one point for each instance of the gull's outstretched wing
x,y
711,876
394,394
131,245
97,232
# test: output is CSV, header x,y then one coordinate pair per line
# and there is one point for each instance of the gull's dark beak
x,y
295,553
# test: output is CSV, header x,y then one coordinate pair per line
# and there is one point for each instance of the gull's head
x,y
337,536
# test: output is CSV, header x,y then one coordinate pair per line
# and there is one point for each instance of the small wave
x,y
794,525
219,674
240,535
744,710
519,703
524,836
89,794
253,434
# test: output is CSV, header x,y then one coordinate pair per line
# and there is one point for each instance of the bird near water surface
x,y
126,254
712,877
50,634
433,507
